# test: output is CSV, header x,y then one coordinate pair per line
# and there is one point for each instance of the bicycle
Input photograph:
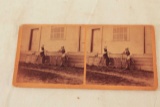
x,y
124,62
117,61
61,60
40,58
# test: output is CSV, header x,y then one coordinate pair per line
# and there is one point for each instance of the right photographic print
x,y
121,55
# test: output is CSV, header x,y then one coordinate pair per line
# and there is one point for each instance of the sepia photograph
x,y
86,56
51,54
120,55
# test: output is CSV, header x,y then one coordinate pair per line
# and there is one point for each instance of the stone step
x,y
144,63
142,59
81,65
76,57
75,53
76,61
145,67
142,55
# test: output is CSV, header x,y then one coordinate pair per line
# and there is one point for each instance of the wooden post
x,y
79,48
144,40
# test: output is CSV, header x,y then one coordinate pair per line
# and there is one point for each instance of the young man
x,y
63,57
42,54
105,56
128,58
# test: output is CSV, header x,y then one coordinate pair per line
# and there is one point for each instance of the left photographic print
x,y
50,54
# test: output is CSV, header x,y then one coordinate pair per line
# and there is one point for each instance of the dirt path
x,y
63,74
146,81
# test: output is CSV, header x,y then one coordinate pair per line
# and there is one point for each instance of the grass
x,y
74,76
99,76
36,76
134,73
96,78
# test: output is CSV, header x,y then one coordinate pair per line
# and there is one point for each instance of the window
x,y
120,34
57,33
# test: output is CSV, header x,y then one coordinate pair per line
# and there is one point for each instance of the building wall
x,y
71,41
148,39
136,42
82,39
26,31
88,38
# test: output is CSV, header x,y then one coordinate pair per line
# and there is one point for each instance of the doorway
x,y
96,40
34,40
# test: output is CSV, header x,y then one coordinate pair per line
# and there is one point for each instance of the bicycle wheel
x,y
132,65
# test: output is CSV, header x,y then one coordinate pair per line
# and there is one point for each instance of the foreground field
x,y
110,76
94,75
49,74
